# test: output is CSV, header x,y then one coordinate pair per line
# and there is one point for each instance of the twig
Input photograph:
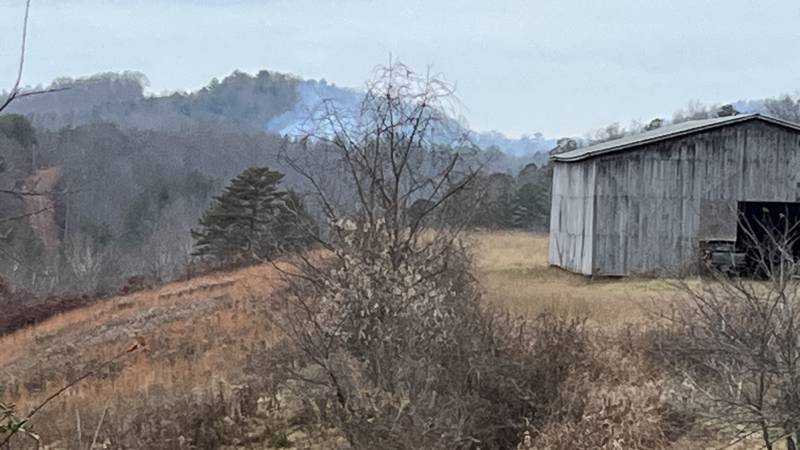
x,y
17,193
23,216
40,92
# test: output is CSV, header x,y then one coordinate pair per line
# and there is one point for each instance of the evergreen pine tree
x,y
294,226
249,220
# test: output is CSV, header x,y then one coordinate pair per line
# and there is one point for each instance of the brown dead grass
x,y
512,267
200,332
204,328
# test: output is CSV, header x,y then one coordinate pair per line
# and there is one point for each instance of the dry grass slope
x,y
198,335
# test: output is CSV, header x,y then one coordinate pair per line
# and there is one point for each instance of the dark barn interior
x,y
768,225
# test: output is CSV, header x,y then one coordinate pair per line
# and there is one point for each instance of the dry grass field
x,y
198,336
514,272
200,333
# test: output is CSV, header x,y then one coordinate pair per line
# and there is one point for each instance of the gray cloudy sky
x,y
555,66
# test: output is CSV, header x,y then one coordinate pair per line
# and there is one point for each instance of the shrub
x,y
616,405
404,355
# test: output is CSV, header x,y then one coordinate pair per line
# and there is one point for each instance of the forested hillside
x,y
122,201
240,100
118,203
121,176
267,101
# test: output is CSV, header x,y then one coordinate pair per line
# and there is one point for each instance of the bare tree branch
x,y
26,215
15,90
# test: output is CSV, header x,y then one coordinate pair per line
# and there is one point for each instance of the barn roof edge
x,y
664,133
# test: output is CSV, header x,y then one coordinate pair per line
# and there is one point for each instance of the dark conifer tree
x,y
250,219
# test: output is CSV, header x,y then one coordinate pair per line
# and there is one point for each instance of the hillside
x,y
199,334
265,102
241,101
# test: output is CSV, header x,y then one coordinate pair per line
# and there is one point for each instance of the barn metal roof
x,y
666,132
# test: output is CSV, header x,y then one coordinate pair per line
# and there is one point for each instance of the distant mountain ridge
x,y
240,100
267,101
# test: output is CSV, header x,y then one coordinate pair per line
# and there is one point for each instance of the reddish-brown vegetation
x,y
22,308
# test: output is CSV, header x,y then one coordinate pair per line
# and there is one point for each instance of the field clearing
x,y
512,267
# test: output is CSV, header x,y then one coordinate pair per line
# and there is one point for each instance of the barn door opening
x,y
766,232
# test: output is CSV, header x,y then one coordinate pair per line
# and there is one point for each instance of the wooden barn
x,y
647,203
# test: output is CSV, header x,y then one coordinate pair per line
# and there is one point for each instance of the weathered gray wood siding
x,y
654,203
572,216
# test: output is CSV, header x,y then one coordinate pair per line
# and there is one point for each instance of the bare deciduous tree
x,y
388,342
401,146
736,341
383,293
785,107
85,260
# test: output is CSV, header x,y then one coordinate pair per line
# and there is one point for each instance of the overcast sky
x,y
560,67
